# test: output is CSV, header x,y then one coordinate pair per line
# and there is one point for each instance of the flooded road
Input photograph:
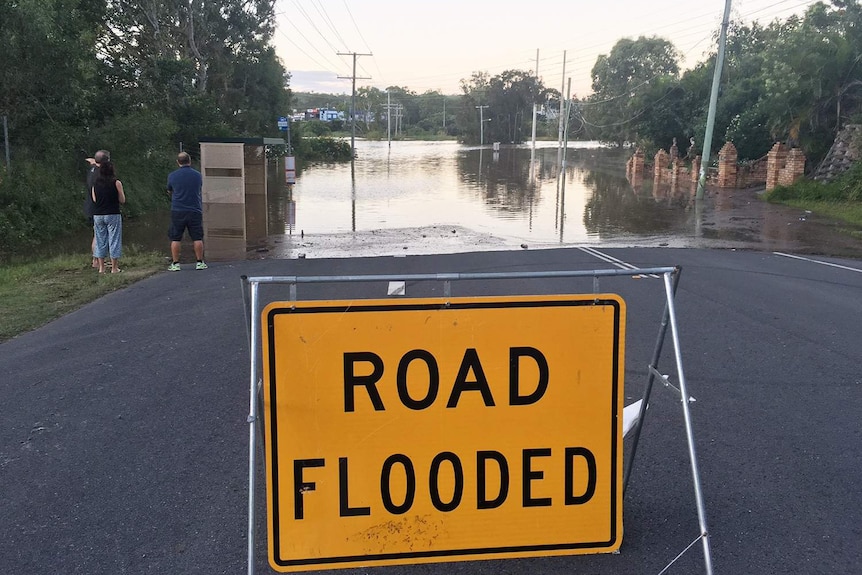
x,y
441,197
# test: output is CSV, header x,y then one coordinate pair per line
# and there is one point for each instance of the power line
x,y
310,20
687,33
367,47
328,20
358,31
289,39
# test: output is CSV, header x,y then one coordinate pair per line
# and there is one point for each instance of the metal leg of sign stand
x,y
252,420
671,281
659,344
698,494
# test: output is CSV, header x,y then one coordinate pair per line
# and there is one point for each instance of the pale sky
x,y
432,45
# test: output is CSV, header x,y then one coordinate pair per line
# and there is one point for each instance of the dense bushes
x,y
847,188
323,149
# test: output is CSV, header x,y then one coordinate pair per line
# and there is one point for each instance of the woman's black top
x,y
107,198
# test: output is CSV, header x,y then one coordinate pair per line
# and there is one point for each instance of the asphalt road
x,y
124,442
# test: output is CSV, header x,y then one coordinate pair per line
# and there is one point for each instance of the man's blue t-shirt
x,y
185,187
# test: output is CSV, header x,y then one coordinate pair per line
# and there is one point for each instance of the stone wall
x,y
846,149
782,166
669,169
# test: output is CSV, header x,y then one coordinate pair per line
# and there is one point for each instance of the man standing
x,y
184,187
89,205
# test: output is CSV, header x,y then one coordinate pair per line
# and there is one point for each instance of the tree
x,y
620,81
508,100
813,75
47,86
47,83
371,107
136,78
431,106
408,107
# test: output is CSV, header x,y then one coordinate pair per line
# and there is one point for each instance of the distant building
x,y
323,114
330,115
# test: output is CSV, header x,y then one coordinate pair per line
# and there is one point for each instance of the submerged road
x,y
124,442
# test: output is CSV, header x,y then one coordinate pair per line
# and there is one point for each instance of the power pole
x,y
399,116
389,117
562,177
534,106
481,124
563,89
566,130
710,117
353,98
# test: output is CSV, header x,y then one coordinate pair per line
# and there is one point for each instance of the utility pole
x,y
353,98
562,89
710,117
566,130
481,124
534,106
399,116
389,117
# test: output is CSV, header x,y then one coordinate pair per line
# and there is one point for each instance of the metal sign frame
x,y
670,276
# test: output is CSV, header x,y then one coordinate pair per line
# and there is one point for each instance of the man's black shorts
x,y
182,221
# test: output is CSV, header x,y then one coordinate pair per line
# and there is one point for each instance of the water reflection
x,y
616,209
441,196
506,196
419,184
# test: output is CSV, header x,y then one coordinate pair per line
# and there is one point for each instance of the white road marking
x,y
612,260
830,264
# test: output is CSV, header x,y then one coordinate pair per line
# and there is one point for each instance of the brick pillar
x,y
636,177
775,160
727,166
638,164
675,168
794,168
661,164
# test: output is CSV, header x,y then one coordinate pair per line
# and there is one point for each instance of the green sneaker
x,y
174,267
200,266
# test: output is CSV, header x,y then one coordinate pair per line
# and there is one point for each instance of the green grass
x,y
35,293
840,200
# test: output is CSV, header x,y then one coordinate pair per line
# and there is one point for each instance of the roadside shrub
x,y
324,149
847,188
315,128
39,202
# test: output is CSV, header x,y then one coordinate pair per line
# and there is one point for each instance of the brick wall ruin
x,y
782,166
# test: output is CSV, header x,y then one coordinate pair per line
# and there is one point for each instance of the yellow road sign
x,y
424,430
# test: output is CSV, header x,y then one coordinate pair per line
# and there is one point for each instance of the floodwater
x,y
437,197
442,197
